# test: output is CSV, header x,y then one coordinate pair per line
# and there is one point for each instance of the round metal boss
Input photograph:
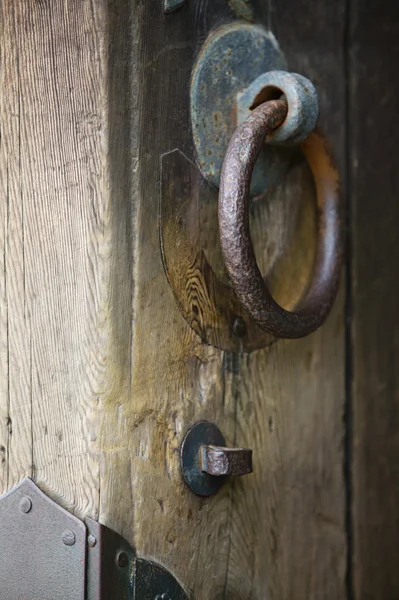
x,y
232,57
300,95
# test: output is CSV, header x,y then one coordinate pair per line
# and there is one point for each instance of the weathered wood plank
x,y
16,398
102,375
288,519
175,379
4,364
374,142
58,245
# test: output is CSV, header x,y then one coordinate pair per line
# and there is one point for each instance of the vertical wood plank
x,y
4,364
4,408
374,142
288,520
65,351
16,390
102,375
176,380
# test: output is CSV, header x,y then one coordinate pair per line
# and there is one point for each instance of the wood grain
x,y
240,571
374,142
4,339
100,374
175,379
58,245
16,388
208,304
288,520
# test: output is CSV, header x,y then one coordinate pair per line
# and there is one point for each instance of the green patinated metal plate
x,y
230,60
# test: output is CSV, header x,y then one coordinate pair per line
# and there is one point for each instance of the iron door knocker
x,y
247,281
248,118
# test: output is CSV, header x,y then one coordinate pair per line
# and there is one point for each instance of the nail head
x,y
68,537
25,504
122,559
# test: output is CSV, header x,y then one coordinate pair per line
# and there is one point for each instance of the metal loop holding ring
x,y
239,257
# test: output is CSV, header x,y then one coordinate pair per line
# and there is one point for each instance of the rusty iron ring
x,y
239,257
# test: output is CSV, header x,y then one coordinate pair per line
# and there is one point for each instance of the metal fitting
x,y
300,95
69,538
205,460
25,504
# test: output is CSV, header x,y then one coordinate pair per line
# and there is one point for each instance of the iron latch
x,y
49,554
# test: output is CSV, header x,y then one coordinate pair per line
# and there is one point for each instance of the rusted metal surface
x,y
300,95
248,283
231,58
199,434
206,461
218,460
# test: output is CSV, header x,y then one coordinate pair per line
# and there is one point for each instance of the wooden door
x,y
101,376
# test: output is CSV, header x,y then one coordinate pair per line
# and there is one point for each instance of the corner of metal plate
x,y
44,547
49,553
232,57
110,564
114,571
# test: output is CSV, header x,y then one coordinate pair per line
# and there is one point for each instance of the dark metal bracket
x,y
49,553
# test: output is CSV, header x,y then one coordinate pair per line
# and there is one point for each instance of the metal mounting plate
x,y
43,547
110,561
232,57
48,554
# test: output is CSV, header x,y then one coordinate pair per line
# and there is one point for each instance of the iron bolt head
x,y
91,540
25,504
122,559
162,597
68,537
